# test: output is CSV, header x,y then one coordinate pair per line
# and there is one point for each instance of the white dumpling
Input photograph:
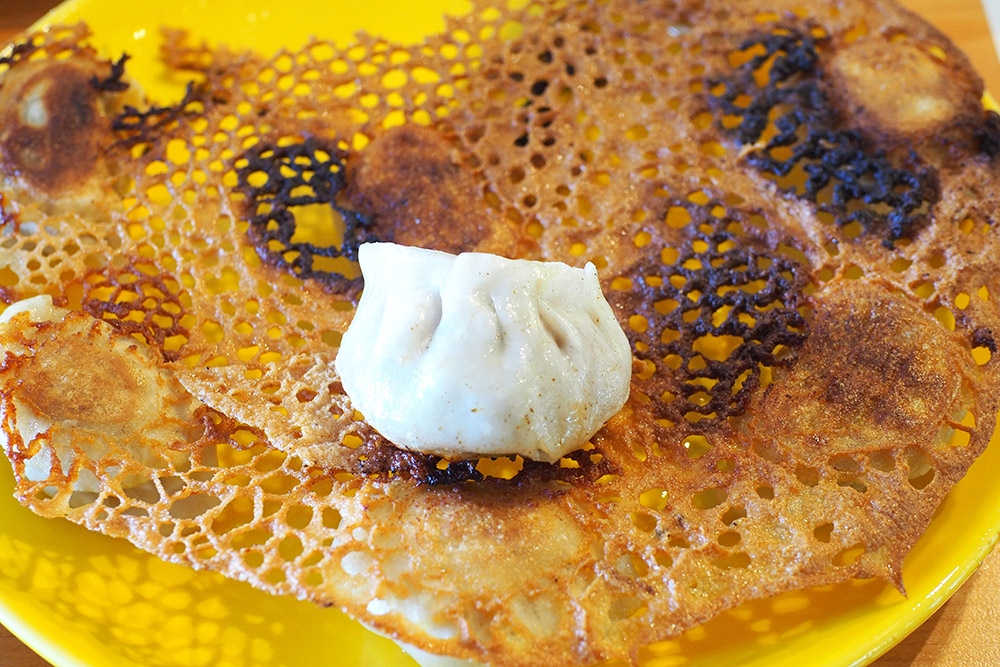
x,y
478,355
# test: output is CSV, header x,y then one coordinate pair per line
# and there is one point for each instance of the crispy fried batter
x,y
805,267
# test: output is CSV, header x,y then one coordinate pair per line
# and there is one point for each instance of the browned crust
x,y
582,140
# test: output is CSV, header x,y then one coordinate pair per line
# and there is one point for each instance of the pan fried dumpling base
x,y
809,290
80,392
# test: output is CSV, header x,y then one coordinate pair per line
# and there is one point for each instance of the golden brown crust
x,y
873,356
810,292
51,128
55,120
408,184
81,382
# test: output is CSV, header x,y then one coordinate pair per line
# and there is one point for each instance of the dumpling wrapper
x,y
477,355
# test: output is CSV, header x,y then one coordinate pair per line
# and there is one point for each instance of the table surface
x,y
966,630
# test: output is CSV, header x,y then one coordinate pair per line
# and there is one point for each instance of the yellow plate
x,y
81,599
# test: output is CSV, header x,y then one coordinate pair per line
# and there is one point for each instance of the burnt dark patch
x,y
277,181
388,460
983,337
114,82
988,135
379,457
704,328
134,126
19,52
779,97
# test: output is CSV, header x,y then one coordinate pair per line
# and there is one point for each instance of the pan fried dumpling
x,y
76,388
477,355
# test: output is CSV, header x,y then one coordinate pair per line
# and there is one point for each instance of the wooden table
x,y
966,630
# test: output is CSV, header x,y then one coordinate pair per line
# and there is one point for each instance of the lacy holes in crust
x,y
776,100
296,222
709,327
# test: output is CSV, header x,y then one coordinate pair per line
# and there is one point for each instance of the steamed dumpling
x,y
478,355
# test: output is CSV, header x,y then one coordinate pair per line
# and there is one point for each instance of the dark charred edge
x,y
153,334
272,222
18,52
136,127
378,457
841,158
830,154
113,83
988,135
774,309
983,337
800,58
